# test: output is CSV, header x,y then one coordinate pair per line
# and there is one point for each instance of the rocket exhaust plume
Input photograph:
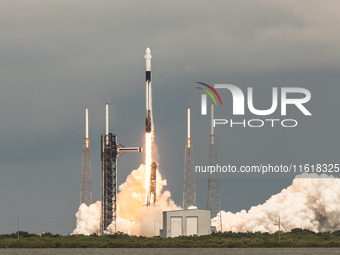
x,y
133,217
148,161
309,203
151,199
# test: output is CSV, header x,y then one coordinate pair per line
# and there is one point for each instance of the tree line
x,y
295,238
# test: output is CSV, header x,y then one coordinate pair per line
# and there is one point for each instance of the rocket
x,y
148,90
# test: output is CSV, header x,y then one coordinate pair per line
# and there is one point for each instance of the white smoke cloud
x,y
133,216
309,203
88,219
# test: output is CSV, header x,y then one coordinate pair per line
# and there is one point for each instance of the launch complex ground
x,y
297,238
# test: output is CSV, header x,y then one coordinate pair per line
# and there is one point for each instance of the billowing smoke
x,y
88,219
309,203
133,216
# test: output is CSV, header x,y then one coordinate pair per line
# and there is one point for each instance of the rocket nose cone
x,y
148,51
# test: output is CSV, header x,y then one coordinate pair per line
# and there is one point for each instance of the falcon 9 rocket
x,y
148,82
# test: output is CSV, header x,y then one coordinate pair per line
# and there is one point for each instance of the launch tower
x,y
214,201
111,150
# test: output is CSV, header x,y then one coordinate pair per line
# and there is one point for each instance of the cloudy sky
x,y
58,57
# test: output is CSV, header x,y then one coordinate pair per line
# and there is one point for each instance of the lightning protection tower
x,y
189,190
86,189
214,201
110,151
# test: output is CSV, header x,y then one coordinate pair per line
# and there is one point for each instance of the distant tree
x,y
336,233
296,231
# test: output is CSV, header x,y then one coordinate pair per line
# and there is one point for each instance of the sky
x,y
58,57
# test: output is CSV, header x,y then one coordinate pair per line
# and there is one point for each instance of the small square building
x,y
186,223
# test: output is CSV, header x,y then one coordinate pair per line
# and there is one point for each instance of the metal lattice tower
x,y
151,199
109,182
85,188
111,150
189,190
214,201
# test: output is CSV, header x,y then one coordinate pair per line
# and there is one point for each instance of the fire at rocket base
x,y
133,217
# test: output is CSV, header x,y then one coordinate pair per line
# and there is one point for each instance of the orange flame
x,y
148,161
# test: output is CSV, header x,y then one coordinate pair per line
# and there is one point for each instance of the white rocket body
x,y
148,81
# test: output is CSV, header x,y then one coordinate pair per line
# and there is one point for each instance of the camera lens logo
x,y
239,104
204,97
239,99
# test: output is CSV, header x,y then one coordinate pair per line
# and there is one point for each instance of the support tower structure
x,y
189,190
86,188
214,201
110,151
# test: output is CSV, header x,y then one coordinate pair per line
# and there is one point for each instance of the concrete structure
x,y
186,223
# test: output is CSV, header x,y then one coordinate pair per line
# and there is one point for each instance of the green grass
x,y
295,238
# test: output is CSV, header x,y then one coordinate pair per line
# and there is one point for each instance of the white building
x,y
186,223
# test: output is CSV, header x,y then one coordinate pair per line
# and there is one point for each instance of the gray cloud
x,y
58,57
